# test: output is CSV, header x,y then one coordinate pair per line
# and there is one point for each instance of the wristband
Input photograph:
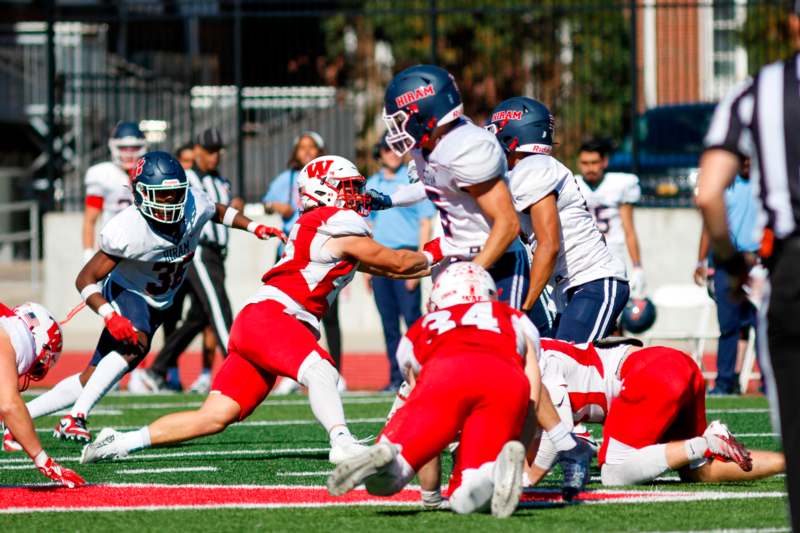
x,y
251,227
429,257
105,310
88,290
230,214
41,459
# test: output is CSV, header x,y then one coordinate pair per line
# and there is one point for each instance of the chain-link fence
x,y
643,75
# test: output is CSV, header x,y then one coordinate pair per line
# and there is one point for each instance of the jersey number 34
x,y
479,316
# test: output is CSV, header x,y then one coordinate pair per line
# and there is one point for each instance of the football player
x,y
144,251
108,184
461,168
651,403
30,344
468,359
610,197
591,287
277,331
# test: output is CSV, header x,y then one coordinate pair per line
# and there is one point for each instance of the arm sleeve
x,y
409,195
406,359
526,331
632,192
530,183
546,456
732,117
479,162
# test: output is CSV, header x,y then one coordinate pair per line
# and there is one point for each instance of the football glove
x,y
638,284
121,328
378,201
433,251
265,232
56,472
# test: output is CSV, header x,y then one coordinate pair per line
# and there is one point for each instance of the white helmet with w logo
x,y
332,181
462,283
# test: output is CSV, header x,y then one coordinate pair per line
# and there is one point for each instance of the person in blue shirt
x,y
283,198
735,315
400,228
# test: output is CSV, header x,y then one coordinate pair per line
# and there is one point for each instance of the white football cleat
x,y
202,384
9,444
508,469
107,446
143,382
723,445
344,449
353,471
286,386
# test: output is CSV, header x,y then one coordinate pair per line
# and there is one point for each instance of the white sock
x,y
695,448
320,378
59,397
109,370
136,440
475,492
642,465
561,438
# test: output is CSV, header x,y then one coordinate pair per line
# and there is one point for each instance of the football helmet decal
x,y
462,282
47,340
333,181
159,187
523,124
126,144
417,101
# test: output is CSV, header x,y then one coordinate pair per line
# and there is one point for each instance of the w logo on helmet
x,y
319,168
137,170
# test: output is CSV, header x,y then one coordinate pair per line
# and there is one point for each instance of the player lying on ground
x,y
468,358
591,286
651,402
30,344
276,333
144,251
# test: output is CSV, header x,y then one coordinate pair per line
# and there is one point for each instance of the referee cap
x,y
211,140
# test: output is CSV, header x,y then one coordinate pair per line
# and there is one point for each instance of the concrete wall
x,y
668,237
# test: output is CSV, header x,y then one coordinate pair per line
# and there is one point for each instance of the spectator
x,y
401,228
735,316
283,198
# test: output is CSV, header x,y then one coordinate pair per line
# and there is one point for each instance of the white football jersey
x,y
109,182
467,155
21,340
152,265
583,255
614,189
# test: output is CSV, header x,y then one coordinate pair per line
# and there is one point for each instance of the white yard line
x,y
133,471
739,410
305,474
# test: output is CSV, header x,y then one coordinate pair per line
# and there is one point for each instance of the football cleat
x,y
72,428
107,446
723,445
345,449
286,386
202,384
508,469
9,444
354,470
575,464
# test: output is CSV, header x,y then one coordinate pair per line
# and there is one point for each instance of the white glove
x,y
413,175
637,283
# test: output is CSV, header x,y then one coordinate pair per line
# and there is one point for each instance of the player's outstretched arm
x,y
547,231
16,418
234,219
494,199
380,260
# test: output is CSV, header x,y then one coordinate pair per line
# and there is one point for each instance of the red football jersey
x,y
308,273
483,327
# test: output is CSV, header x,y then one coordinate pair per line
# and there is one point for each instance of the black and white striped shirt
x,y
218,190
760,119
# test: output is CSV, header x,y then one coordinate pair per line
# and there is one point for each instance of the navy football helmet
x,y
159,187
127,144
639,315
523,124
417,100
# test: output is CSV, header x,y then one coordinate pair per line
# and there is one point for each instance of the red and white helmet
x,y
47,340
335,182
462,283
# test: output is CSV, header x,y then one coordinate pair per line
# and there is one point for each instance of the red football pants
x,y
265,343
483,396
662,400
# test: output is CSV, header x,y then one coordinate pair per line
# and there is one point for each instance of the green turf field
x,y
280,444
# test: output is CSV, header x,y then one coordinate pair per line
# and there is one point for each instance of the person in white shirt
x,y
611,197
568,248
108,184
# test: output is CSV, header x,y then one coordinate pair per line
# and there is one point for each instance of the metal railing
x,y
31,235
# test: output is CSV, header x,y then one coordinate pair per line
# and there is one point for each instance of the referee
x,y
206,274
761,119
